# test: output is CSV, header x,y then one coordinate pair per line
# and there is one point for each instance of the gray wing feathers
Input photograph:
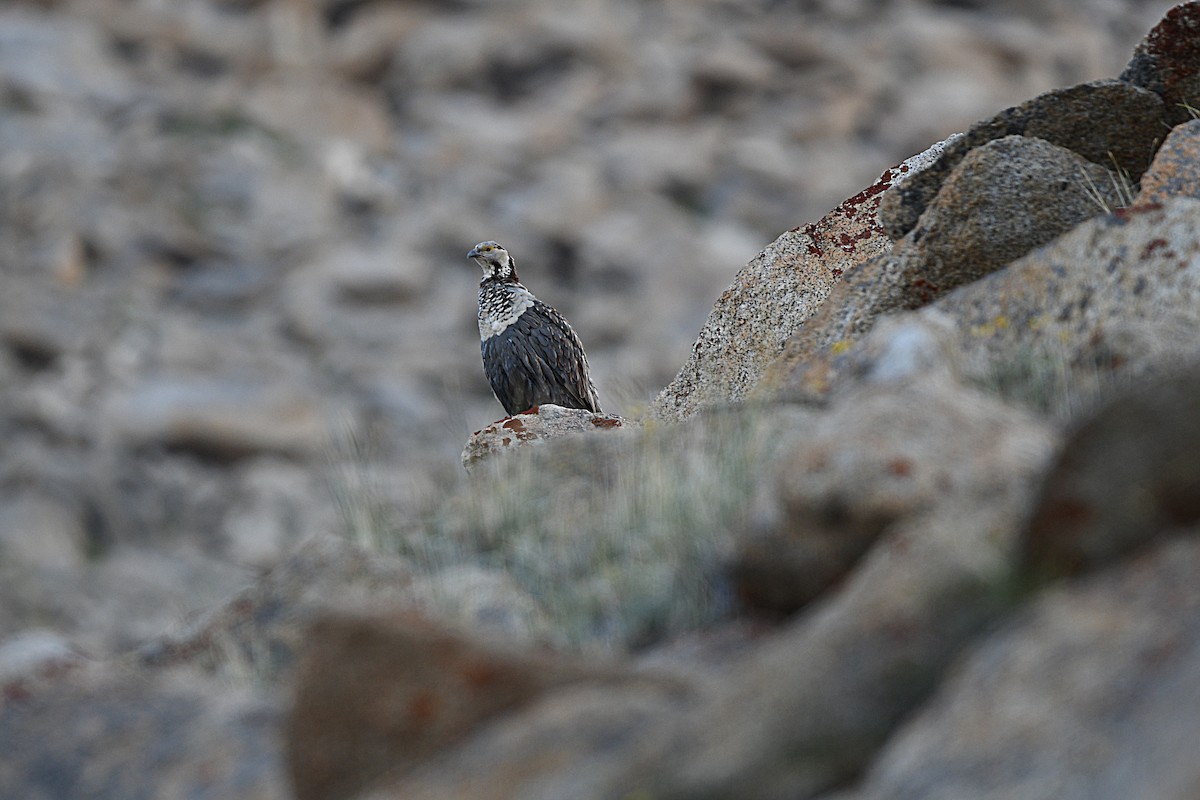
x,y
537,360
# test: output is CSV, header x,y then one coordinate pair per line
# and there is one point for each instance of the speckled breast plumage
x,y
530,353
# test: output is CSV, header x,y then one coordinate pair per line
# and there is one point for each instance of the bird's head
x,y
495,261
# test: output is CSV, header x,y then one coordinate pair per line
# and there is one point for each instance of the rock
x,y
905,347
709,653
376,695
1110,302
276,505
105,732
224,420
35,341
1090,693
34,657
882,458
58,61
727,69
1107,122
773,295
364,48
618,537
568,194
132,594
259,632
1125,474
321,110
204,42
875,647
474,598
1003,198
1176,167
110,599
172,181
568,745
41,532
377,272
899,346
542,424
869,654
1167,61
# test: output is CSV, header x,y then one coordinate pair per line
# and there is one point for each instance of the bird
x,y
531,355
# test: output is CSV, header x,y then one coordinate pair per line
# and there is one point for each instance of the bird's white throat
x,y
500,309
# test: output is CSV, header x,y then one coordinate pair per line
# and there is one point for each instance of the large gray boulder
x,y
1002,199
775,293
897,452
1089,694
1108,122
378,694
1113,301
1167,62
111,731
1125,474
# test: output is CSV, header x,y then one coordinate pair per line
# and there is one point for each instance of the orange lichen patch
x,y
604,422
926,291
1175,171
1129,212
423,706
1152,246
900,467
16,691
1053,530
242,607
480,675
819,459
815,381
1175,44
832,229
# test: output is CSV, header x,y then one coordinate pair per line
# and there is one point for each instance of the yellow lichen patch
x,y
816,384
986,329
840,346
992,327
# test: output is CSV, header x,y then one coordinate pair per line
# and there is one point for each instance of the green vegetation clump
x,y
621,539
1122,191
1049,379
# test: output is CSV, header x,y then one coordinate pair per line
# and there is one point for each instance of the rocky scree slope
x,y
926,578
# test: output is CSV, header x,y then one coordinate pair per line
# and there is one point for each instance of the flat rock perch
x,y
540,424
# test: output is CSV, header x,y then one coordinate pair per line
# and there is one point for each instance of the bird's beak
x,y
474,253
